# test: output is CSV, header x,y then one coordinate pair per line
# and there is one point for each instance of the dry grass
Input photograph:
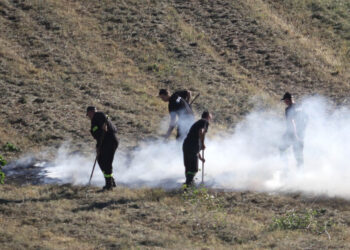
x,y
67,217
57,57
318,32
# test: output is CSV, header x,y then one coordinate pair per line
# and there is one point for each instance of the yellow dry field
x,y
67,217
58,57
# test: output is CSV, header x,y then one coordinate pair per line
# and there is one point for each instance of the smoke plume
x,y
246,159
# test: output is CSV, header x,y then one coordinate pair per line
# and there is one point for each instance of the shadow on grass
x,y
48,199
4,201
53,193
102,205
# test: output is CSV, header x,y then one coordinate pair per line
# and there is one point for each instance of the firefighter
x,y
104,133
178,107
193,144
296,121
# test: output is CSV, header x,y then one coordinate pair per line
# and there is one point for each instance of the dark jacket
x,y
192,142
99,134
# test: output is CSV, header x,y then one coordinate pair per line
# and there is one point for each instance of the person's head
x,y
287,98
90,112
206,115
164,95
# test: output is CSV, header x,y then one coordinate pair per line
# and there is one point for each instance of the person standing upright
x,y
192,146
104,133
295,129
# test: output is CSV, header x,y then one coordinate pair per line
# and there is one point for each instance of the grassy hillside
x,y
57,57
66,217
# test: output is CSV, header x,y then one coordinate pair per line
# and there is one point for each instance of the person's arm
x,y
189,96
187,106
202,137
200,157
99,127
294,130
172,124
291,125
96,130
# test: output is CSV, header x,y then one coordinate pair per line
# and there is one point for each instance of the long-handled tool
x,y
202,183
93,169
194,99
97,154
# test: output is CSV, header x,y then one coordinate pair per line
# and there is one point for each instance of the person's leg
x,y
298,148
178,133
186,161
105,161
109,165
192,167
113,181
286,142
102,162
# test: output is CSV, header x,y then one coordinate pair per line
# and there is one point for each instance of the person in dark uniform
x,y
104,133
296,123
193,144
178,107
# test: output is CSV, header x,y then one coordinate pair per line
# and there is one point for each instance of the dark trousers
x,y
191,164
298,147
178,134
106,156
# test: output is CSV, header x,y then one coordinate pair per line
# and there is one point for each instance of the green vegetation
x,y
202,197
9,147
2,174
313,220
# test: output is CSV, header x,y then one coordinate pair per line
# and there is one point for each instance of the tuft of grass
x,y
9,147
313,220
200,196
2,174
2,161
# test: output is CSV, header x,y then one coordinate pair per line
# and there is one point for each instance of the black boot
x,y
189,180
108,185
113,182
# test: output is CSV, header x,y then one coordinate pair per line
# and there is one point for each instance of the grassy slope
x,y
69,217
57,57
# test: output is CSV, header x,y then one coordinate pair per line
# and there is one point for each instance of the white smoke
x,y
247,159
73,168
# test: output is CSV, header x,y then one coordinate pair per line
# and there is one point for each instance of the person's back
x,y
180,108
192,140
97,123
184,94
181,114
179,105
